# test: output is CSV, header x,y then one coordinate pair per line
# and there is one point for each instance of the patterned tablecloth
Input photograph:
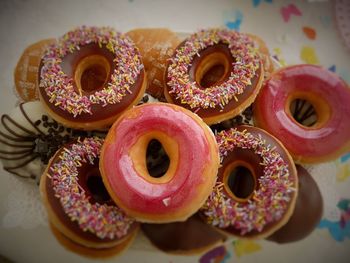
x,y
315,32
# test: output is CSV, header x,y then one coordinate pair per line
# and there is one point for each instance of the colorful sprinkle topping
x,y
267,204
106,221
60,88
247,61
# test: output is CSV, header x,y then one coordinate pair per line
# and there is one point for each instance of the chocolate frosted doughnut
x,y
204,53
90,77
77,203
256,190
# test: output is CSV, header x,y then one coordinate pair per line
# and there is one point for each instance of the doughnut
x,y
307,213
94,253
156,46
29,138
90,77
306,107
256,189
77,203
27,69
193,236
192,151
202,54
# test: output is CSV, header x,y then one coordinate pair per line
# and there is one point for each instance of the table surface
x,y
295,31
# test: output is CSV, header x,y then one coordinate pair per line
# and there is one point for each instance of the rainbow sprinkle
x,y
247,61
105,221
60,88
267,204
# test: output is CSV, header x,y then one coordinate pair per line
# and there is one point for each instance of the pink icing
x,y
299,140
134,191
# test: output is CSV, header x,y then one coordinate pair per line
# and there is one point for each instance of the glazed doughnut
x,y
90,77
194,160
94,253
256,190
306,107
27,69
77,203
29,138
156,46
190,237
202,53
307,213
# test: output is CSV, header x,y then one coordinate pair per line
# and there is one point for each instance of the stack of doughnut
x,y
192,140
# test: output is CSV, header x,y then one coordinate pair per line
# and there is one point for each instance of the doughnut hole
x,y
307,110
240,181
163,168
303,112
91,73
93,185
213,69
157,160
211,66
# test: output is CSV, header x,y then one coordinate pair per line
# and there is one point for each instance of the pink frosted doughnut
x,y
324,137
191,174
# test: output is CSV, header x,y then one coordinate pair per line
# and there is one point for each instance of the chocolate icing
x,y
58,209
209,112
254,160
307,213
193,234
69,63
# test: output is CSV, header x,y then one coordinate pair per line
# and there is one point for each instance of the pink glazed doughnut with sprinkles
x,y
257,184
90,76
216,73
77,203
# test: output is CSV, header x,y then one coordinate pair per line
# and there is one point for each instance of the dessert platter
x,y
153,145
